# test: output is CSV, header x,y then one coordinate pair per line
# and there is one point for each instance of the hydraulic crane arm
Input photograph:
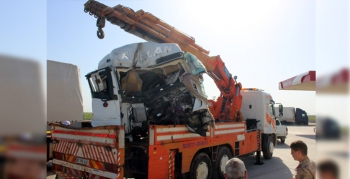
x,y
150,28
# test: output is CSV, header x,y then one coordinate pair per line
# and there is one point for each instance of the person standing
x,y
306,168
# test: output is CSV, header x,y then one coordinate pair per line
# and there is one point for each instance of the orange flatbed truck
x,y
170,152
151,116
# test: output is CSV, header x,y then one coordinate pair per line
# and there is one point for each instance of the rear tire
x,y
283,140
201,167
224,155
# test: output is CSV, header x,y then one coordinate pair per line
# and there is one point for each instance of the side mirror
x,y
278,122
280,109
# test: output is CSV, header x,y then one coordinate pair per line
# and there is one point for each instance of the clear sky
x,y
261,42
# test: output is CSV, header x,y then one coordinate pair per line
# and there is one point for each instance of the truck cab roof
x,y
147,55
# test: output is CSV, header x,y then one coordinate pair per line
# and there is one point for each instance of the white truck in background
x,y
281,131
22,109
294,115
288,115
256,105
64,97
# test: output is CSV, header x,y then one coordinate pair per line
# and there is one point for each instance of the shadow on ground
x,y
313,136
274,165
282,146
299,125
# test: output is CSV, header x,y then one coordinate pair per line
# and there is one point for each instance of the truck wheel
x,y
283,140
224,155
268,148
201,167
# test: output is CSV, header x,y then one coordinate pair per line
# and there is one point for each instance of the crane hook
x,y
100,33
100,24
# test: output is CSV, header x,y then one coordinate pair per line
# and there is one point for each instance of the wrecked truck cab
x,y
149,83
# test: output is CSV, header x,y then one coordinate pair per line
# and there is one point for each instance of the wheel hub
x,y
223,161
202,171
271,148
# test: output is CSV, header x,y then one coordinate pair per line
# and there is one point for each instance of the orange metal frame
x,y
164,143
189,146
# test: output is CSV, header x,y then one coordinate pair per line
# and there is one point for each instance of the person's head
x,y
328,169
298,150
235,169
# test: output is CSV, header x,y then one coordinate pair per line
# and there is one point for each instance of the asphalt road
x,y
282,165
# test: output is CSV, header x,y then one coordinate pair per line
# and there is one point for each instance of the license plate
x,y
82,161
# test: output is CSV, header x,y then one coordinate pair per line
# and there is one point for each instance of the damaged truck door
x,y
105,101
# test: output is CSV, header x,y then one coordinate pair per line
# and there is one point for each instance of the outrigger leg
x,y
258,158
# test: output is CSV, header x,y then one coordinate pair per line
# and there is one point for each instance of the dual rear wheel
x,y
203,168
219,165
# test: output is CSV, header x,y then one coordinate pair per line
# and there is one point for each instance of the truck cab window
x,y
196,66
101,84
201,80
272,109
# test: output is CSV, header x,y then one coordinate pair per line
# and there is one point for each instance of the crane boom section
x,y
150,28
